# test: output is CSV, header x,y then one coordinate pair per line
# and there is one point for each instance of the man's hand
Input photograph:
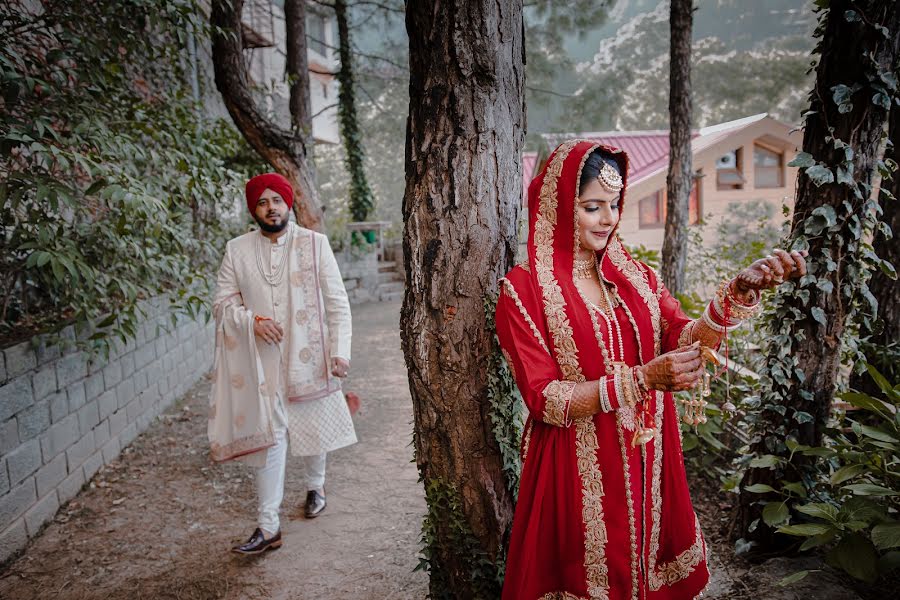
x,y
674,371
268,330
339,367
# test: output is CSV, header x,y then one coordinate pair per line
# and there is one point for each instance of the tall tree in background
x,y
463,191
361,199
679,180
290,152
883,348
834,215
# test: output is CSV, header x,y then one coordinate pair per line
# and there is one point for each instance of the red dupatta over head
x,y
544,542
552,245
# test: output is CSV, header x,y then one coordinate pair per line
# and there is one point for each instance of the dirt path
x,y
158,522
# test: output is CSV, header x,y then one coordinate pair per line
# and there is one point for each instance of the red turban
x,y
269,181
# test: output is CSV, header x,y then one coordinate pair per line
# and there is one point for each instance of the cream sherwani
x,y
261,389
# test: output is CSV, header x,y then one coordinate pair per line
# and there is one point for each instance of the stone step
x,y
386,266
389,277
391,297
390,287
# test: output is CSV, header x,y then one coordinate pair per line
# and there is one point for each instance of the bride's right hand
x,y
674,371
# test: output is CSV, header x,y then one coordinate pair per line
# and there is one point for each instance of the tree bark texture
x,y
680,178
885,289
289,152
844,49
463,192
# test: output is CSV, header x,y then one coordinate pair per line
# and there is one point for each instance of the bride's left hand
x,y
771,271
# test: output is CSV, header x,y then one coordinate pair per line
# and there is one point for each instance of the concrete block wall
x,y
63,416
360,275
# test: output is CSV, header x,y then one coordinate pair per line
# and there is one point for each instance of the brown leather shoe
x,y
257,544
315,504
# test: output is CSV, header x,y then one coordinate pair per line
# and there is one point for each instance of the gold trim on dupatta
x,y
567,357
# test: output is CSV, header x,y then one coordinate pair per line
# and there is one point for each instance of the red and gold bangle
x,y
258,318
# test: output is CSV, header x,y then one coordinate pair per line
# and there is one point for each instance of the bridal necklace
x,y
274,277
584,269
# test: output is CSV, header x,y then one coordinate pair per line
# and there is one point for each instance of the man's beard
x,y
276,228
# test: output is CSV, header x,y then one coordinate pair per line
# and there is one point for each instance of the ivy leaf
x,y
803,417
820,175
841,94
888,269
845,175
889,79
803,160
825,285
818,314
882,100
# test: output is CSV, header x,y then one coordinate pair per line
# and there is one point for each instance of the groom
x,y
283,333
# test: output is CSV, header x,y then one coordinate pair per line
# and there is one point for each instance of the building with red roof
x,y
738,161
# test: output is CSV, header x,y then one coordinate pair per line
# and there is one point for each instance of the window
x,y
729,171
652,208
694,205
768,168
315,32
651,211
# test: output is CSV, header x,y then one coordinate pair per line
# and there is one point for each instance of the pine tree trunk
x,y
815,343
361,201
679,180
463,191
885,289
289,152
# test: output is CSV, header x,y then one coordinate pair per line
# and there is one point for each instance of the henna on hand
x,y
674,371
585,400
770,271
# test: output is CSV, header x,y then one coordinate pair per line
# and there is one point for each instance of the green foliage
x,y
114,189
362,201
507,407
850,509
841,260
445,531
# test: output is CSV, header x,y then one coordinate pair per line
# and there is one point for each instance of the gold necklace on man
x,y
274,277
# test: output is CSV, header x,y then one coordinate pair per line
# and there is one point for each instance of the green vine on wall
x,y
362,201
115,189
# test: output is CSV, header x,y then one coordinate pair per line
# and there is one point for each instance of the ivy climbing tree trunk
x,y
883,349
834,212
288,151
679,180
361,200
460,208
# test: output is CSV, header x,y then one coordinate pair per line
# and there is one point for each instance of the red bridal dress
x,y
597,517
